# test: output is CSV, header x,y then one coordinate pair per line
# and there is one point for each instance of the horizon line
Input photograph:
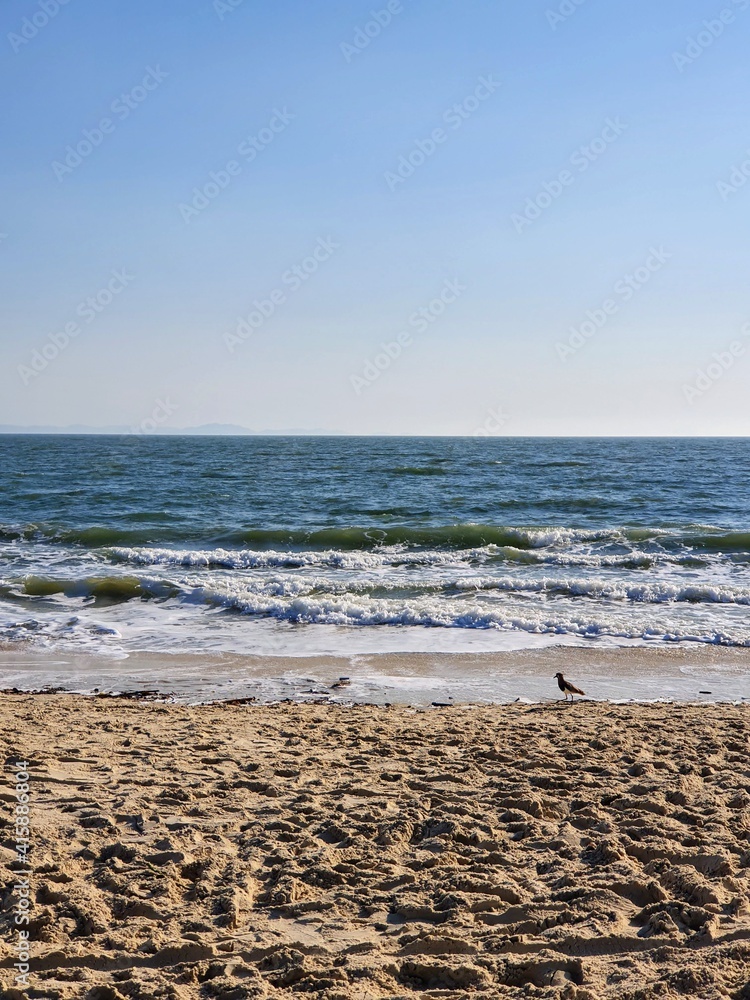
x,y
31,432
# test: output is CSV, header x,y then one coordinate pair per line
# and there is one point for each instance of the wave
x,y
586,608
347,539
351,611
448,537
109,589
571,464
368,538
418,470
394,556
730,541
76,632
254,559
59,631
250,559
199,589
642,593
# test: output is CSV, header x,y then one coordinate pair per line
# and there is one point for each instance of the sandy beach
x,y
585,851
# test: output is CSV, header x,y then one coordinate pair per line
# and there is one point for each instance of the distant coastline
x,y
203,430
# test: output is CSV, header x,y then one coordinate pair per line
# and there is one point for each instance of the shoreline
x,y
702,673
588,851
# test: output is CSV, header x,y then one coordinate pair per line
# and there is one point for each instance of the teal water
x,y
124,543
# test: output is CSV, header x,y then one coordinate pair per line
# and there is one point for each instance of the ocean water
x,y
298,545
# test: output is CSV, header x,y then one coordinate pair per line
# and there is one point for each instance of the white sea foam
x,y
643,593
629,585
55,631
190,621
436,611
394,555
294,585
251,559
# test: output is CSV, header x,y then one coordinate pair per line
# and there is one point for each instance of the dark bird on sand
x,y
567,688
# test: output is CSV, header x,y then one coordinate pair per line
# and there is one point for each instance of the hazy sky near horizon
x,y
538,207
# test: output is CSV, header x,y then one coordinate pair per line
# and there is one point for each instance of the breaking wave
x,y
198,588
458,536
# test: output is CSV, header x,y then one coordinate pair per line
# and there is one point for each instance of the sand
x,y
682,672
584,852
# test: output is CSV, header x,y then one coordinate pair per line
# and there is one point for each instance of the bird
x,y
566,687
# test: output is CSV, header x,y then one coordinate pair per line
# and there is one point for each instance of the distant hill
x,y
204,430
117,429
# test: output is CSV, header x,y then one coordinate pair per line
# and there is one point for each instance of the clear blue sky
x,y
340,115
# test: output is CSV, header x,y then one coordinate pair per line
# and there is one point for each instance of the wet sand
x,y
580,852
685,672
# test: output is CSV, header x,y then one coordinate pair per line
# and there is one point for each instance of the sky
x,y
381,217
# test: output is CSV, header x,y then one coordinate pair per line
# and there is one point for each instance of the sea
x,y
301,545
